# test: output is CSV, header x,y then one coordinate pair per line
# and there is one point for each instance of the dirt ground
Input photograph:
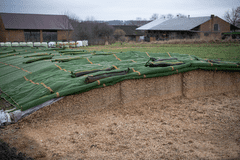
x,y
180,128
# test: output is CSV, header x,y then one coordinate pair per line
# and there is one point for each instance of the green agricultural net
x,y
32,76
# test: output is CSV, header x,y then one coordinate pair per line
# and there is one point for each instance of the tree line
x,y
167,16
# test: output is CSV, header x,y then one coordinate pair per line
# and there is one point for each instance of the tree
x,y
88,18
74,20
232,16
94,32
154,17
119,33
179,15
170,16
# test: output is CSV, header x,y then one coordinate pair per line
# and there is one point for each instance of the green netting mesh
x,y
60,72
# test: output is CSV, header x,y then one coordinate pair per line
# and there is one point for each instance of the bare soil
x,y
11,153
180,128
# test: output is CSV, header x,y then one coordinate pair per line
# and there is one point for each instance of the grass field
x,y
221,51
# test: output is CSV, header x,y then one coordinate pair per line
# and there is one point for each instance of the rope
x,y
147,54
30,80
210,63
136,71
190,57
16,67
47,87
62,69
115,67
89,61
117,57
98,82
169,54
58,67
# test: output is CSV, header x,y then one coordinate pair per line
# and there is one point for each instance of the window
x,y
49,36
32,35
215,27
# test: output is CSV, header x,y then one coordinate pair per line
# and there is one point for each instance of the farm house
x,y
191,27
15,27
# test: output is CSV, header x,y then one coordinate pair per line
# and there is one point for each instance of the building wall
x,y
2,31
18,35
208,28
14,35
63,35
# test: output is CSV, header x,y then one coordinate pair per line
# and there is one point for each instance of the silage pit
x,y
129,120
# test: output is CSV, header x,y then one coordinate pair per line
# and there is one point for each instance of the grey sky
x,y
121,9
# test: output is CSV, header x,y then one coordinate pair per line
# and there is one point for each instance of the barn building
x,y
180,28
15,27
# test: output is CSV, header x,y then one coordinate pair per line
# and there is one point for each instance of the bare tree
x,y
119,33
233,16
94,32
179,15
168,16
154,17
88,18
71,19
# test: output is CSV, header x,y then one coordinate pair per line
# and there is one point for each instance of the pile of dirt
x,y
180,128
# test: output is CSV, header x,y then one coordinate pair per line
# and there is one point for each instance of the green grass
x,y
222,51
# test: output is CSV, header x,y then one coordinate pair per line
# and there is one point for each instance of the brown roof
x,y
35,21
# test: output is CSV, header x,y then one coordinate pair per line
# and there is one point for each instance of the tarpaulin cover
x,y
32,76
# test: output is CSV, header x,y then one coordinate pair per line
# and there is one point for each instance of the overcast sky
x,y
121,9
